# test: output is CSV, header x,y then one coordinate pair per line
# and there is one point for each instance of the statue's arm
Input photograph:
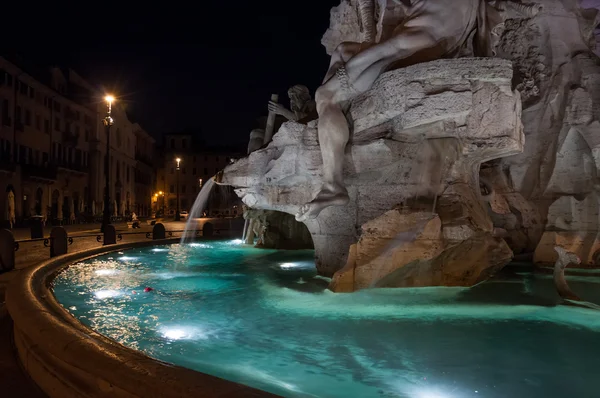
x,y
289,115
279,109
299,115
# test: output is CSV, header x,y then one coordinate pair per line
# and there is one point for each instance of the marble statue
x,y
564,259
257,137
412,31
10,209
301,104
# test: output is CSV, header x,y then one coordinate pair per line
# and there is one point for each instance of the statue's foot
x,y
324,199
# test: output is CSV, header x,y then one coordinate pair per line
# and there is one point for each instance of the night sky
x,y
209,65
205,65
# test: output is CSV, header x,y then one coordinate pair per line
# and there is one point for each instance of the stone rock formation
x,y
278,230
422,211
419,137
548,196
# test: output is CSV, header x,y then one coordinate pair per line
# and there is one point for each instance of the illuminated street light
x,y
108,121
177,212
156,196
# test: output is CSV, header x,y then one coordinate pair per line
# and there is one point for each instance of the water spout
x,y
245,228
197,210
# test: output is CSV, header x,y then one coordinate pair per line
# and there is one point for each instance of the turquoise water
x,y
264,319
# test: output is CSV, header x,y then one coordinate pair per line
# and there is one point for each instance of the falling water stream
x,y
197,210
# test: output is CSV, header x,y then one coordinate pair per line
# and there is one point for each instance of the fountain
x,y
481,116
197,210
453,165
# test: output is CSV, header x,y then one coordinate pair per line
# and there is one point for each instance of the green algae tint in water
x,y
263,319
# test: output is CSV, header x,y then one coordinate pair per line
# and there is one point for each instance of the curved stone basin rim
x,y
68,359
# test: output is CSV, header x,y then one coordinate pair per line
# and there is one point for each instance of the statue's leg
x,y
358,75
333,135
340,56
411,43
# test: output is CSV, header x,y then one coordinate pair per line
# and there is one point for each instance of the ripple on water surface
x,y
263,318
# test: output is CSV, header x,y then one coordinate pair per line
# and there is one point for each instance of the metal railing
x,y
45,240
59,241
100,237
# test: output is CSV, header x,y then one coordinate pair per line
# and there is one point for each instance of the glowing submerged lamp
x,y
287,265
180,332
104,294
105,272
174,334
127,258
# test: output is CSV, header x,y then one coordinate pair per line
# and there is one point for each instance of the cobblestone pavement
x,y
14,382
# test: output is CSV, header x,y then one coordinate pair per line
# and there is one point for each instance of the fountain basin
x,y
265,319
67,359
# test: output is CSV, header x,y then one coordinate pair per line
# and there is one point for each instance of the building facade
x,y
52,147
197,165
145,172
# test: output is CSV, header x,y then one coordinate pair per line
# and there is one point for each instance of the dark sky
x,y
210,65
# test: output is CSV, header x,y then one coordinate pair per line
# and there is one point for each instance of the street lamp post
x,y
108,121
177,214
162,209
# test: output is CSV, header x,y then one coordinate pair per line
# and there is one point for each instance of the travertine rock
x,y
278,230
420,135
552,187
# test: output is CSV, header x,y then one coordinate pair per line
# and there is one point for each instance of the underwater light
x,y
430,393
103,272
202,245
158,250
127,258
288,265
103,294
182,333
237,242
174,334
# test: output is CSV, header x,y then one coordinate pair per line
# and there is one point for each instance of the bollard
x,y
58,242
208,230
110,235
7,250
36,228
159,232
